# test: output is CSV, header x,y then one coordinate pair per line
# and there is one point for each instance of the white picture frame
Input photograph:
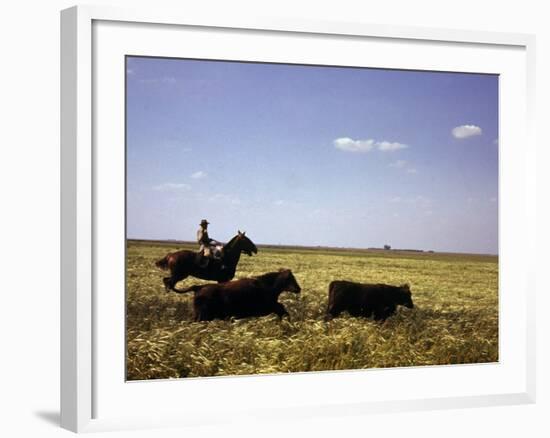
x,y
85,352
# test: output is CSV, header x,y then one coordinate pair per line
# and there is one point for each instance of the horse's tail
x,y
162,263
194,288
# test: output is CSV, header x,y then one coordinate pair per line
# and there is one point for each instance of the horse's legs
x,y
170,282
174,280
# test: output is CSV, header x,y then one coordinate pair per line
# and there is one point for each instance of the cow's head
x,y
406,296
288,282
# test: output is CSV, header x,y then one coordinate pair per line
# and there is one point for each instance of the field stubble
x,y
455,319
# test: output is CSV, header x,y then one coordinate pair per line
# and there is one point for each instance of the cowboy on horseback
x,y
183,263
208,247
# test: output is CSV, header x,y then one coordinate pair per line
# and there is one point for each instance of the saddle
x,y
208,255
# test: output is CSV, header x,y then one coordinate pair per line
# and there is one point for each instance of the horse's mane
x,y
233,239
231,242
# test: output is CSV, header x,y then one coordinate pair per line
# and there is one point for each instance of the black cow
x,y
361,299
255,296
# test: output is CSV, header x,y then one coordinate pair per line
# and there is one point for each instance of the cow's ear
x,y
239,232
244,232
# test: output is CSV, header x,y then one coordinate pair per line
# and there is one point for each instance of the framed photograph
x,y
253,209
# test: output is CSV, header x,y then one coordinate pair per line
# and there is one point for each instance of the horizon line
x,y
371,248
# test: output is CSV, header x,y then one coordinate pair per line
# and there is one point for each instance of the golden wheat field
x,y
455,319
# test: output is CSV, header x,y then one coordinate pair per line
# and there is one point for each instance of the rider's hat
x,y
204,222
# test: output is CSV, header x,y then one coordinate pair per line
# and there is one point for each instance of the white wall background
x,y
29,219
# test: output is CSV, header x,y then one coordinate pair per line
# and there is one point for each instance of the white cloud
x,y
279,202
390,146
399,164
130,71
402,164
170,187
351,145
465,131
348,144
199,175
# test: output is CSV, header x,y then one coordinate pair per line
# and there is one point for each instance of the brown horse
x,y
183,263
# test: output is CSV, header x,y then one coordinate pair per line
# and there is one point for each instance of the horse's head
x,y
244,244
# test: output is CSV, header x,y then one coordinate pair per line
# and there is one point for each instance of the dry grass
x,y
455,320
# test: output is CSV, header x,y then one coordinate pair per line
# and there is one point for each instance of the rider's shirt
x,y
202,237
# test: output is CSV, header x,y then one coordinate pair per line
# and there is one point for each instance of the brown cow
x,y
362,299
255,296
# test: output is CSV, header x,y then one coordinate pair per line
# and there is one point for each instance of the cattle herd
x,y
258,296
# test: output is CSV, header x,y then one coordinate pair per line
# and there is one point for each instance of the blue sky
x,y
305,155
